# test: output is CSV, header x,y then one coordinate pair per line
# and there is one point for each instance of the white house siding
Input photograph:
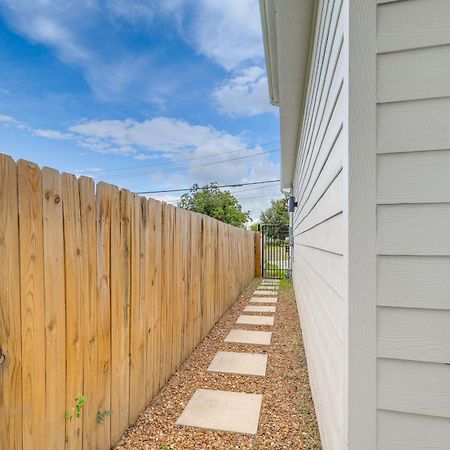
x,y
319,226
413,225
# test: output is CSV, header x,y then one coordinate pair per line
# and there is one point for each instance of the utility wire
x,y
142,166
238,191
175,169
274,197
219,186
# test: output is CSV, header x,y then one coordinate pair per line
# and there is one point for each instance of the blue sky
x,y
144,94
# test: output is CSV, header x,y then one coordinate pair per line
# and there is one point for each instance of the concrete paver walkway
x,y
263,300
240,363
255,320
264,292
286,414
236,411
249,337
260,308
223,411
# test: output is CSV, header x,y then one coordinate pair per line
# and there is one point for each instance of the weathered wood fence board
x,y
103,294
55,331
31,265
11,406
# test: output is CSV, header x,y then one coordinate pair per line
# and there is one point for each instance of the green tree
x,y
276,214
213,202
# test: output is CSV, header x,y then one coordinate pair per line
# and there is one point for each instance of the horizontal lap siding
x,y
413,222
318,224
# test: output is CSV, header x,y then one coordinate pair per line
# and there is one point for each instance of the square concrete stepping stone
x,y
241,363
263,300
255,320
259,308
265,292
249,337
237,412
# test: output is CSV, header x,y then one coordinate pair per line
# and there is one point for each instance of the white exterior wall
x,y
372,229
413,221
319,223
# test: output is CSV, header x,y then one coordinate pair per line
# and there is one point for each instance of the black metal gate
x,y
275,258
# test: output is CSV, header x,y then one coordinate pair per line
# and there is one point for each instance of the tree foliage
x,y
213,202
276,214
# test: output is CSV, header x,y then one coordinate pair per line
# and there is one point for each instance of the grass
x,y
305,410
276,271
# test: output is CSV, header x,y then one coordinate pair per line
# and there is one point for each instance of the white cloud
x,y
132,11
194,154
7,119
161,134
245,94
11,121
184,154
228,32
53,134
172,199
87,34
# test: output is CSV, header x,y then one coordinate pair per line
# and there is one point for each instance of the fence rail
x,y
102,295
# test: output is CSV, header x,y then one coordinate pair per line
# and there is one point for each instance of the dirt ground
x,y
287,419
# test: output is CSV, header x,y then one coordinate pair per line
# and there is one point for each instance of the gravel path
x,y
287,419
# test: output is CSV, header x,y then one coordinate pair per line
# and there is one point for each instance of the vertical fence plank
x,y
32,304
171,290
155,253
146,301
90,311
167,288
177,301
120,313
138,314
74,308
217,275
258,255
194,282
119,317
55,319
148,293
10,322
187,268
163,300
204,276
104,209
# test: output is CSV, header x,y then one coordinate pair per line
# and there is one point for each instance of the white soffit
x,y
287,28
267,11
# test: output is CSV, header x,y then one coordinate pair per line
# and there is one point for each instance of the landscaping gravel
x,y
287,419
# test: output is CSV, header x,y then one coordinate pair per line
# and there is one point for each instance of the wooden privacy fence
x,y
102,295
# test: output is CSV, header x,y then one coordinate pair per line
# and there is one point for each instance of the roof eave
x,y
267,11
287,29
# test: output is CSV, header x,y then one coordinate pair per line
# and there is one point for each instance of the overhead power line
x,y
219,186
176,169
238,191
143,166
